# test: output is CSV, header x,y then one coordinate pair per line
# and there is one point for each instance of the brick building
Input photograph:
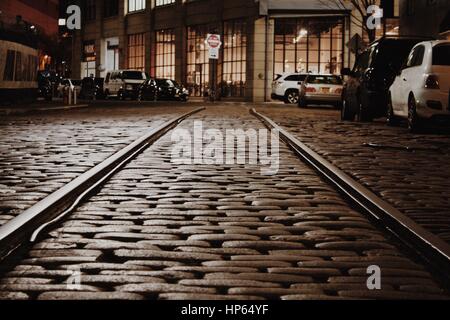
x,y
166,38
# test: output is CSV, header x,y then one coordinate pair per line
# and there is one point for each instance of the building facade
x,y
166,38
425,18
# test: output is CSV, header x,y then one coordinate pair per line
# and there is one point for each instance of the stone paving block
x,y
207,297
77,296
270,292
164,288
133,254
250,264
224,282
271,277
14,296
264,245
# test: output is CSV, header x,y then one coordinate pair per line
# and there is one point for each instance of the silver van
x,y
124,83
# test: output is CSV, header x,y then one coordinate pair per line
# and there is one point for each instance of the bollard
x,y
74,96
66,95
70,96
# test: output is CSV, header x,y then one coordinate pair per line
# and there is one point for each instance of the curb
x,y
21,111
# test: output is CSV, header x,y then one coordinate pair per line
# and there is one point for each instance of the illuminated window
x,y
234,59
197,60
136,52
136,5
308,45
163,2
165,54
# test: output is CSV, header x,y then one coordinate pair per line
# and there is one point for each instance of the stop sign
x,y
213,41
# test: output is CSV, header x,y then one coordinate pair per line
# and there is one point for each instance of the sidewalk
x,y
56,104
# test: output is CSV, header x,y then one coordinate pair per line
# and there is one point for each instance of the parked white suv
x,y
421,91
285,87
124,83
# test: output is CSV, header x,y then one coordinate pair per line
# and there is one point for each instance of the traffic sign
x,y
214,43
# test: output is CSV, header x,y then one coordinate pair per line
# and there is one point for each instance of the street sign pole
x,y
214,43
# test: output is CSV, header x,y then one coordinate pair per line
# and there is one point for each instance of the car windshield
x,y
333,80
133,75
441,55
76,82
277,76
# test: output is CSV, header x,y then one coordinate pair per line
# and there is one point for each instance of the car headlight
x,y
129,87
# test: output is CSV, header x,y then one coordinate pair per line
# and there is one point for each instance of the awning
x,y
307,6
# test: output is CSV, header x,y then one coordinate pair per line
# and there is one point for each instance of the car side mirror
x,y
346,72
300,83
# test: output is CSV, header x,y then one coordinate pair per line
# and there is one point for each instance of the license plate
x,y
325,90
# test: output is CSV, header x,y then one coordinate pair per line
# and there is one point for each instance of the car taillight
x,y
432,82
309,89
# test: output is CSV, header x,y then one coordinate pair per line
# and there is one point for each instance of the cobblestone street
x,y
161,230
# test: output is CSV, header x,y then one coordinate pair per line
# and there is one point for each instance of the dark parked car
x,y
171,90
92,88
365,93
45,88
148,91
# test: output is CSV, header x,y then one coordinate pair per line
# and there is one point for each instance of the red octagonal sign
x,y
213,41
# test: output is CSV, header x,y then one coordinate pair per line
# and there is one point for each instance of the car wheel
x,y
291,97
346,112
391,118
413,118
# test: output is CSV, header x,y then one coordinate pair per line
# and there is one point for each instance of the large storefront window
x,y
165,54
197,60
309,45
234,59
136,52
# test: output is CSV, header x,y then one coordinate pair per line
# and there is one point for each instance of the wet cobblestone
x,y
160,234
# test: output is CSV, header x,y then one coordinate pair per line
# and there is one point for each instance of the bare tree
x,y
361,7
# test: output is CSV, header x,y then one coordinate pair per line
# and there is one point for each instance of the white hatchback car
x,y
285,87
421,91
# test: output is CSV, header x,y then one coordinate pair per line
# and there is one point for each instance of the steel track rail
x,y
29,224
434,251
